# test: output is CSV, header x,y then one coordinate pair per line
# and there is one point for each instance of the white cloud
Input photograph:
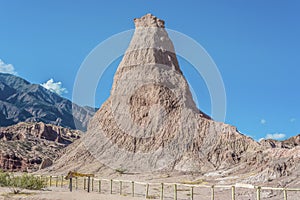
x,y
275,136
292,120
263,121
7,68
54,87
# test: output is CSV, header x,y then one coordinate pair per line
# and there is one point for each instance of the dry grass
x,y
195,182
21,194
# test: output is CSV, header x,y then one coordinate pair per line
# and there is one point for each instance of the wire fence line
x,y
116,186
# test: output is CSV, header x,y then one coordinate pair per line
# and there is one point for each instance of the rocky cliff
x,y
30,146
287,144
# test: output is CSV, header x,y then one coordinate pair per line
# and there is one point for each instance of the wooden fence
x,y
90,184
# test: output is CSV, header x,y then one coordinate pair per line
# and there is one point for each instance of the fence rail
x,y
89,184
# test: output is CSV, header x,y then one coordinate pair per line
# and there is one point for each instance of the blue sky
x,y
255,45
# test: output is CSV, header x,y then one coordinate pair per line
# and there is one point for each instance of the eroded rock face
x,y
26,146
149,21
47,162
288,144
151,123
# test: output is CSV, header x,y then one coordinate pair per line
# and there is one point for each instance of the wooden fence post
x,y
258,192
56,181
111,186
92,184
132,188
212,192
161,191
76,183
120,187
89,184
62,181
70,185
285,194
50,181
99,189
233,192
147,191
192,193
175,192
84,183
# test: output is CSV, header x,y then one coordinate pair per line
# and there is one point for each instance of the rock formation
x,y
150,118
30,146
151,123
287,144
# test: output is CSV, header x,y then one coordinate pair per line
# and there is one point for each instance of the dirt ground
x,y
58,193
61,192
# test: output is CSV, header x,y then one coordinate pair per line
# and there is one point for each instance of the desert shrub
x,y
3,178
31,182
17,183
121,170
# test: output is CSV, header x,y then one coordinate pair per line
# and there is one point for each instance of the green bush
x,y
27,182
17,183
3,179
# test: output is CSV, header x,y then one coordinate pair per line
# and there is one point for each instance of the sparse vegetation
x,y
196,182
26,145
183,189
165,176
18,183
38,148
151,197
121,170
3,178
270,179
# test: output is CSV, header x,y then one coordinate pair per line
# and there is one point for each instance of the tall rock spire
x,y
149,20
150,44
150,121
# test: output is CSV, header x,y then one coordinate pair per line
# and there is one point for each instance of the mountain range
x,y
21,101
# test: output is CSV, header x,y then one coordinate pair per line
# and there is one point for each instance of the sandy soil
x,y
63,193
60,194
